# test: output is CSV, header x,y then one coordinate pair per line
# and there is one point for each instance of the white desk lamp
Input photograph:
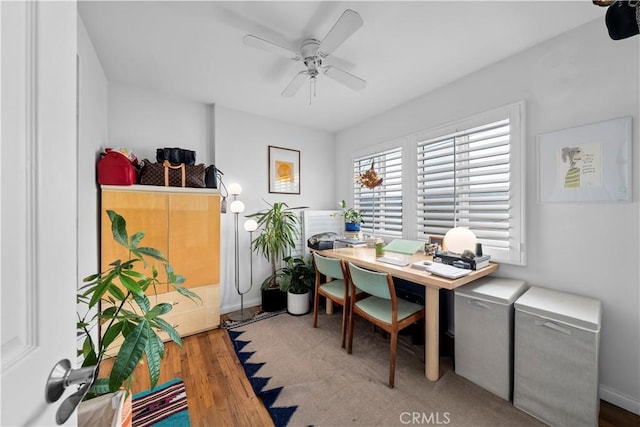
x,y
459,239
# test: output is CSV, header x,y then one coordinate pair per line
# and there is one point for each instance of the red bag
x,y
115,168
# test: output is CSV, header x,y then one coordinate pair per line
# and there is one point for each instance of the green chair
x,y
336,290
382,308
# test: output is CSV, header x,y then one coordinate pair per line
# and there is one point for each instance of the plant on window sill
x,y
129,312
351,215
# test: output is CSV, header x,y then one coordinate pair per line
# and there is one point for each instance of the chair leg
x,y
392,358
351,319
315,310
344,323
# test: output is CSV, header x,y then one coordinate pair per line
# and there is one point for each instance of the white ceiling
x,y
194,50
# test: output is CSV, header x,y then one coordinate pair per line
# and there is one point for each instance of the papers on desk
x,y
420,265
393,261
448,271
408,247
351,243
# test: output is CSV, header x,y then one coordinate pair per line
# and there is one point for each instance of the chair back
x,y
371,282
330,267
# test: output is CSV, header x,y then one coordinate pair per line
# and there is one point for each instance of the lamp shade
x,y
250,225
459,239
237,206
234,189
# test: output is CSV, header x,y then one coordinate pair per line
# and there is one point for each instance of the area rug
x,y
162,406
319,384
279,415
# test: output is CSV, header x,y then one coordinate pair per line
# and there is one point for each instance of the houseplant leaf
x,y
131,285
152,252
129,355
165,326
99,387
118,228
111,334
135,239
158,310
143,302
154,351
186,292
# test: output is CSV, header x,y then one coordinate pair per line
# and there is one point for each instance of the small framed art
x,y
590,163
284,170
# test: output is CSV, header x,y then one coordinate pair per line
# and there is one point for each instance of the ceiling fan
x,y
313,52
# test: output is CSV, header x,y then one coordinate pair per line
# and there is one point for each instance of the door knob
x,y
61,377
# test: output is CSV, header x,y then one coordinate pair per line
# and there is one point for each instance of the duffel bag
x,y
114,168
212,175
168,175
176,156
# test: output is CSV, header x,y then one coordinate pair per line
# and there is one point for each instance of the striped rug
x,y
165,405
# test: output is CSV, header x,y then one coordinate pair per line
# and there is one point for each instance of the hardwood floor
x,y
220,395
218,391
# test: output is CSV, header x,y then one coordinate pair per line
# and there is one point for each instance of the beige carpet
x,y
333,388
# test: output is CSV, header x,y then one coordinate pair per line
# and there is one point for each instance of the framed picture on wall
x,y
284,170
590,163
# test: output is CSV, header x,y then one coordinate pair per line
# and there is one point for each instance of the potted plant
x,y
128,312
297,278
278,227
352,217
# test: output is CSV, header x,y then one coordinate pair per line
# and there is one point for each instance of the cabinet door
x,y
194,236
145,212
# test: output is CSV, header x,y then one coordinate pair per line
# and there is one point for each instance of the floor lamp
x,y
237,207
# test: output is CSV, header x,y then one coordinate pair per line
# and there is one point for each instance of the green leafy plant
x,y
298,276
128,313
278,231
350,214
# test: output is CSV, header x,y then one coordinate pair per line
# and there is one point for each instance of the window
x,y
382,206
469,174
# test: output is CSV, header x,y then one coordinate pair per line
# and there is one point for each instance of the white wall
x,y
592,249
241,152
92,136
144,120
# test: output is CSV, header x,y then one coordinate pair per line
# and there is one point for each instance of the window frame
x,y
408,144
516,254
374,151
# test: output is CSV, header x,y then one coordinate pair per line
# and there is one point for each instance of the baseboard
x,y
619,399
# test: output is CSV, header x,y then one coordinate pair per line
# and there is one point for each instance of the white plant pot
x,y
298,303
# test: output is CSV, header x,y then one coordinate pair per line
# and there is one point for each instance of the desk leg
x,y
432,333
329,307
329,304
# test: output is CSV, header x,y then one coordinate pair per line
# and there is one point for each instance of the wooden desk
x,y
365,257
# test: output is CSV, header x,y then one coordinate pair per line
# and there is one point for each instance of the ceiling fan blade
x,y
346,25
263,44
347,79
295,84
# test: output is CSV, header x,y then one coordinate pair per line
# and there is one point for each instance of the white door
x,y
38,201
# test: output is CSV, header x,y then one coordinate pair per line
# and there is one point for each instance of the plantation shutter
x,y
464,180
382,206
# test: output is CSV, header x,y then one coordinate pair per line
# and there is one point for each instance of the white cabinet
x,y
557,340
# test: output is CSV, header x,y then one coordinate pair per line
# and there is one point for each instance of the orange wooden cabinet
x,y
184,224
